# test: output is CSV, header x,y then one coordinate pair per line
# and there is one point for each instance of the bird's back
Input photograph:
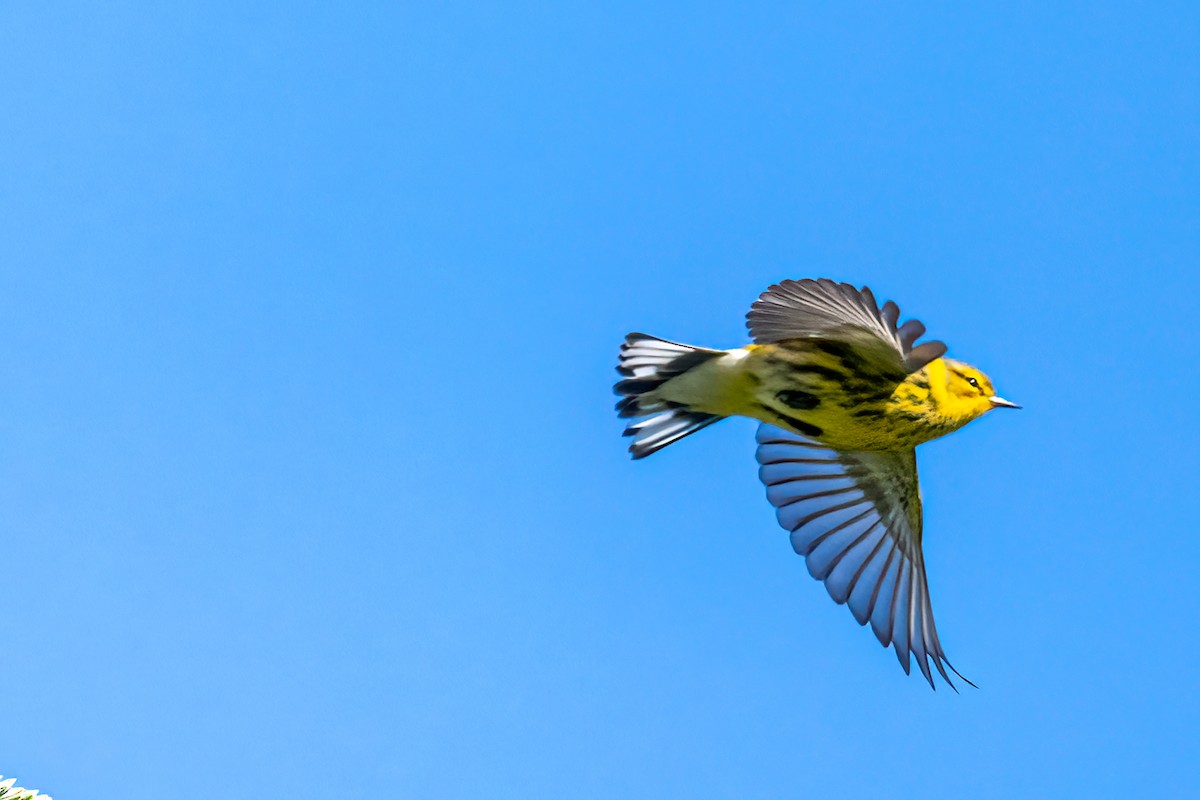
x,y
828,391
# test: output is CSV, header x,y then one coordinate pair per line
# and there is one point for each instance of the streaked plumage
x,y
845,394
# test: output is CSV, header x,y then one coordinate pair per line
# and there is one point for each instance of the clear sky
x,y
309,474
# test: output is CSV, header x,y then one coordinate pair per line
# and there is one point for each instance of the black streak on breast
x,y
843,353
828,373
801,401
802,426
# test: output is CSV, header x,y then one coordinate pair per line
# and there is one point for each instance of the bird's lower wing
x,y
856,519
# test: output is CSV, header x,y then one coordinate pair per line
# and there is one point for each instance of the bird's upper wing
x,y
856,519
821,308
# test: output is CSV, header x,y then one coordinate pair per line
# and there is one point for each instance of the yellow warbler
x,y
845,394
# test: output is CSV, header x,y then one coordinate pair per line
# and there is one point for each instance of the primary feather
x,y
823,309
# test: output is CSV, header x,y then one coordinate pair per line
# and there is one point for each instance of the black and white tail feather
x,y
646,363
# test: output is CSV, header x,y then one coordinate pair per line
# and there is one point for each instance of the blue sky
x,y
308,466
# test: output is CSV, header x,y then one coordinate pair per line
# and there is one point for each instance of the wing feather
x,y
856,519
823,309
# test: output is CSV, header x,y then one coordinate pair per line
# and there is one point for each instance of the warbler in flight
x,y
844,395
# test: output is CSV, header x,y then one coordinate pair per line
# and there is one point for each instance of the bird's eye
x,y
973,382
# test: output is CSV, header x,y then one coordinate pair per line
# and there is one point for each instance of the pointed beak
x,y
1000,402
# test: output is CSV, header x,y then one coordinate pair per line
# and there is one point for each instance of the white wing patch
x,y
856,519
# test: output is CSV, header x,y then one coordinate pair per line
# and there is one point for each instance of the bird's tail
x,y
647,363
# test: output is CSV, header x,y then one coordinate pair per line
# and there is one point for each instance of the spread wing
x,y
856,519
821,308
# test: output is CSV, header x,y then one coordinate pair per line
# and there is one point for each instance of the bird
x,y
844,395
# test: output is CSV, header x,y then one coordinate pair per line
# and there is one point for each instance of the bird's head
x,y
969,393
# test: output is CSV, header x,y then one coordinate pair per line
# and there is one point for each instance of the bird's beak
x,y
1000,402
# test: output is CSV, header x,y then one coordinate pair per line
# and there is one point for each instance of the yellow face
x,y
970,392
